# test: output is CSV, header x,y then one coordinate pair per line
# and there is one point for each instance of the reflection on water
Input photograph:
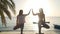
x,y
29,25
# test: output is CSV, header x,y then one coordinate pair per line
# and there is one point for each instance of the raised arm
x,y
17,21
28,13
44,17
33,13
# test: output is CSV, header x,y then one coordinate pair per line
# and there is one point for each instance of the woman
x,y
41,16
21,20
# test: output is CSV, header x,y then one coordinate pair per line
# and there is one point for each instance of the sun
x,y
36,5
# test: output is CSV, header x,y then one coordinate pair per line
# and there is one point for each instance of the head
x,y
41,10
20,12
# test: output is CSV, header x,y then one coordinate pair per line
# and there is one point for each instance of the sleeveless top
x,y
21,19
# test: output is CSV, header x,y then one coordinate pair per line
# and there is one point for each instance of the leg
x,y
39,26
45,26
22,27
16,27
21,30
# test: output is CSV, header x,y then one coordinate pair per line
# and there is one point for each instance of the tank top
x,y
21,19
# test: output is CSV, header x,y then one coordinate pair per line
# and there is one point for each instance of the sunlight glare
x,y
36,5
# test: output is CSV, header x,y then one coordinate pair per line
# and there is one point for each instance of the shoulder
x,y
17,16
24,15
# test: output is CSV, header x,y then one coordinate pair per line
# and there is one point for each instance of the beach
x,y
30,28
16,32
31,32
26,33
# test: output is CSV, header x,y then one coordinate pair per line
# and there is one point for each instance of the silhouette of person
x,y
21,21
41,16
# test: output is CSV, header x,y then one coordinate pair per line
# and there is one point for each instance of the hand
x,y
32,11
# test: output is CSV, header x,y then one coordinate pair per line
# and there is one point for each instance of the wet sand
x,y
47,32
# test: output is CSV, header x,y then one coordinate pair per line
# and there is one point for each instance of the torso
x,y
41,17
21,19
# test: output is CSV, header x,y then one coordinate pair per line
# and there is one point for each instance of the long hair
x,y
20,12
41,11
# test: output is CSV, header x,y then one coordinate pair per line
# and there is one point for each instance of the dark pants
x,y
19,26
22,27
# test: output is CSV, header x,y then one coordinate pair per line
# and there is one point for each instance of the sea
x,y
30,26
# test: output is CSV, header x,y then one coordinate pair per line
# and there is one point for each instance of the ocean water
x,y
29,26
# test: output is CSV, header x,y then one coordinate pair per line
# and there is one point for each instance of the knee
x,y
47,27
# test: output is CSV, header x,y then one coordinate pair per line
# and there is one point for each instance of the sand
x,y
31,32
26,33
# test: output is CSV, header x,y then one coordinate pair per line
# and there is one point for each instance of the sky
x,y
50,7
